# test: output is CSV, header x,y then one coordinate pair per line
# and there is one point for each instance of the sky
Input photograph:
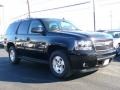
x,y
107,14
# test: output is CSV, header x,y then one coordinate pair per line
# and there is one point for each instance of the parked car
x,y
1,42
58,43
116,39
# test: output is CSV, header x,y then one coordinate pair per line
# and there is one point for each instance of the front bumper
x,y
90,60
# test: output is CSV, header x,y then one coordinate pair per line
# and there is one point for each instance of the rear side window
x,y
12,28
23,28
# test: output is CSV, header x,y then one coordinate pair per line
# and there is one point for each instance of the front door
x,y
35,45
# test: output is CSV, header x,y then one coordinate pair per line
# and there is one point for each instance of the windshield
x,y
115,34
59,25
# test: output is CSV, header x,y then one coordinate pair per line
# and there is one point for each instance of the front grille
x,y
103,45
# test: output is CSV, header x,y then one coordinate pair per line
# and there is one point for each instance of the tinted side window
x,y
54,26
23,28
34,24
12,28
66,26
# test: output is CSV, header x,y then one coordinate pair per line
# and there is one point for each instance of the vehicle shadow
x,y
29,72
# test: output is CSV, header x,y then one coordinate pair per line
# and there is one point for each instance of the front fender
x,y
63,42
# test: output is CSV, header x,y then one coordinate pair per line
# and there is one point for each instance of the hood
x,y
93,35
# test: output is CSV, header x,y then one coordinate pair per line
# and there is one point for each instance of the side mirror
x,y
37,30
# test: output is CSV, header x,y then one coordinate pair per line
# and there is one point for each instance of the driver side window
x,y
34,24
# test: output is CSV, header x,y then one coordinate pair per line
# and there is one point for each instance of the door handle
x,y
28,39
15,38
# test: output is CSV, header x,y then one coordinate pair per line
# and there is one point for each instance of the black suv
x,y
58,43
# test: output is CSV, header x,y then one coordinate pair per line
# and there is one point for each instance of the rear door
x,y
20,38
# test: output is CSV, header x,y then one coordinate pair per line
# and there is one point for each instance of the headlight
x,y
83,45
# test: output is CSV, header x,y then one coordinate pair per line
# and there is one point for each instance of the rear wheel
x,y
13,56
59,64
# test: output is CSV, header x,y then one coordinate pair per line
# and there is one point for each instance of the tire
x,y
13,56
60,65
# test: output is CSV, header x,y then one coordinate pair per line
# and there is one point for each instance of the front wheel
x,y
59,64
13,56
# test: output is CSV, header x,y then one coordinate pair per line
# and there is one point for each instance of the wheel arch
x,y
9,45
53,48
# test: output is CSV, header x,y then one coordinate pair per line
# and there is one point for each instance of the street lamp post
x,y
28,4
111,18
94,15
1,6
1,19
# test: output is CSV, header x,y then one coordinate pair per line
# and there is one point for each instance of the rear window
x,y
12,28
23,28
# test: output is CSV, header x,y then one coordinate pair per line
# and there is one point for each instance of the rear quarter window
x,y
12,28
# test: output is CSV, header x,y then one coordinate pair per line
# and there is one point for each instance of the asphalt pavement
x,y
35,76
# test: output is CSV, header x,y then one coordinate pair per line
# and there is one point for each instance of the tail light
x,y
5,41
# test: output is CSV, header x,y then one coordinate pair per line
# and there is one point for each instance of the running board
x,y
34,60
